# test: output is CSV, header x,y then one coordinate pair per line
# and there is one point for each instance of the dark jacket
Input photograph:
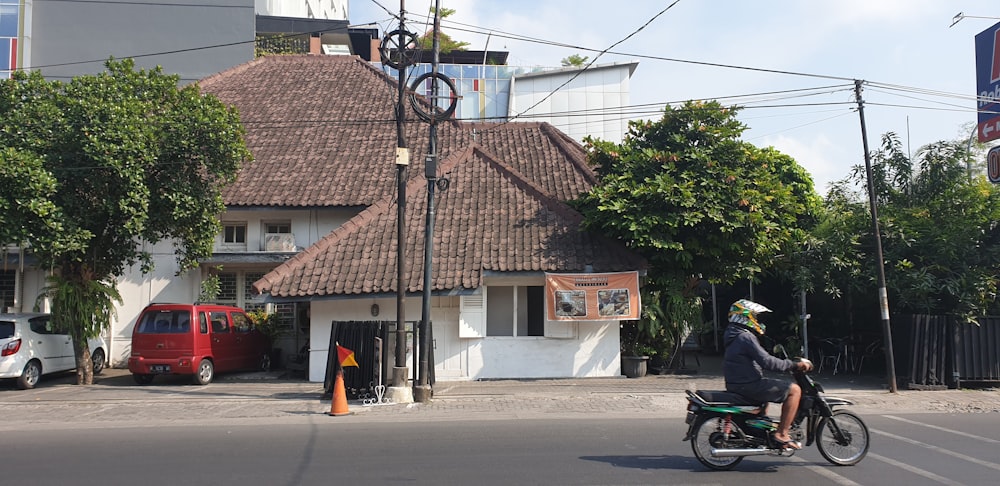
x,y
745,359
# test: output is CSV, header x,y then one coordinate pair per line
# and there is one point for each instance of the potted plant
x,y
270,326
635,354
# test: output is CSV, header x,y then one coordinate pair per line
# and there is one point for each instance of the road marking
x,y
916,470
991,465
944,429
826,473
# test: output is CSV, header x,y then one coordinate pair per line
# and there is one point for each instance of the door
x,y
447,346
224,348
250,344
53,349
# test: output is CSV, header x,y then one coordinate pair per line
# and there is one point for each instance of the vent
x,y
279,242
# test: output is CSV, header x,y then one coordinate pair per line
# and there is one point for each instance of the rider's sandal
x,y
786,444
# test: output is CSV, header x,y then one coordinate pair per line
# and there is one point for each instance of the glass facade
x,y
9,28
483,90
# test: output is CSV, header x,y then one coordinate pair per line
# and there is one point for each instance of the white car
x,y
31,347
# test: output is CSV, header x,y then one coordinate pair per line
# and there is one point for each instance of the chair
x,y
832,351
871,351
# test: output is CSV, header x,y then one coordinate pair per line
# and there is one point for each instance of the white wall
x,y
593,352
138,291
600,92
319,9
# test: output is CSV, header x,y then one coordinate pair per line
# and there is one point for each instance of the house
x,y
323,135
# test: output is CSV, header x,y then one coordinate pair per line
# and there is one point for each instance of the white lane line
x,y
826,473
991,465
943,429
915,470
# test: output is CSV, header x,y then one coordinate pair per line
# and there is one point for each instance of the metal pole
x,y
422,391
883,296
805,326
400,374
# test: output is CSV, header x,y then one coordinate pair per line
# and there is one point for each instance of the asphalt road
x,y
911,449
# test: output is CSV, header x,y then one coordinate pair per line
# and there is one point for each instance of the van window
x,y
202,323
241,322
165,322
220,323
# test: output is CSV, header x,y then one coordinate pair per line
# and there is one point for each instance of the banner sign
x,y
988,83
592,296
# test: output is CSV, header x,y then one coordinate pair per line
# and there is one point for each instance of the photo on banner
x,y
592,296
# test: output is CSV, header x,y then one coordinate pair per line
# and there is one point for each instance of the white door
x,y
447,346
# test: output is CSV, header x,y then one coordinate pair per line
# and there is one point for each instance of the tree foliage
x,y
940,231
92,167
691,197
575,60
445,42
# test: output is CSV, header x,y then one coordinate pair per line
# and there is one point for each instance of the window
x,y
234,234
220,322
515,311
8,285
277,227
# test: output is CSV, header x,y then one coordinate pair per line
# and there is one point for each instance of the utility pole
x,y
422,392
883,296
399,392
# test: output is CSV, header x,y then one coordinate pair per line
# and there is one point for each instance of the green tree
x,y
692,198
575,60
93,166
445,42
941,238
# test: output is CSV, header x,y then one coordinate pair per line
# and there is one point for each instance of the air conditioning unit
x,y
279,242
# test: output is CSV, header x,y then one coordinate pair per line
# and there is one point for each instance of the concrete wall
x,y
67,39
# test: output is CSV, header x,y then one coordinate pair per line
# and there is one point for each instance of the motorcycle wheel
x,y
853,449
707,435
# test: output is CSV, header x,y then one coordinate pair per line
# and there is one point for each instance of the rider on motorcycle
x,y
744,361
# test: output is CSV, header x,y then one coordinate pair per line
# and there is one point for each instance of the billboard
x,y
988,83
592,296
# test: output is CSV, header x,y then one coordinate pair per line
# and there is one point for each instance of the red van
x,y
195,339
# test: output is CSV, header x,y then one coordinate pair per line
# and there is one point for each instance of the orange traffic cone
x,y
338,403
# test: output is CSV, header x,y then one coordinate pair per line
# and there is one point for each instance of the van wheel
x,y
29,377
142,379
206,371
97,357
265,362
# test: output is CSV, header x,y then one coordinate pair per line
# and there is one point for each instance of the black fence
x,y
938,352
373,343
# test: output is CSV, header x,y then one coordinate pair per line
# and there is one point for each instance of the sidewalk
x,y
115,400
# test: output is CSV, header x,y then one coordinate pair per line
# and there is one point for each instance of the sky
x,y
790,63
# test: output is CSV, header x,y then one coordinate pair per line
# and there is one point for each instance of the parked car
x,y
195,339
30,346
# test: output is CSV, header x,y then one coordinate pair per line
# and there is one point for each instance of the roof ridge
x,y
562,140
526,185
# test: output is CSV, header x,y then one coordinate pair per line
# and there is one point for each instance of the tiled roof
x,y
323,134
490,217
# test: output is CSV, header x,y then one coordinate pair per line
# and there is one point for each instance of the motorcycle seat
x,y
720,396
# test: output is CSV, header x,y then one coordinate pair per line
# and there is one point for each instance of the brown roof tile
x,y
323,134
491,217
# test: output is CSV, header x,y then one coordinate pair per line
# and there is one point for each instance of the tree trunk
x,y
84,366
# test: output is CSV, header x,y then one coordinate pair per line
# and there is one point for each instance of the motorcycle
x,y
725,427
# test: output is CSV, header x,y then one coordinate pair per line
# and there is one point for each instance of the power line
x,y
591,63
